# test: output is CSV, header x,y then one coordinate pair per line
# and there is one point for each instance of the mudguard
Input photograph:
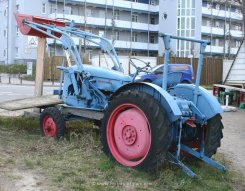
x,y
166,100
206,102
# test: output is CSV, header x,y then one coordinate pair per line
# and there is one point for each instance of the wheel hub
x,y
49,126
129,135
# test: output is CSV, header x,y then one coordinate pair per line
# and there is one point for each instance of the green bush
x,y
13,68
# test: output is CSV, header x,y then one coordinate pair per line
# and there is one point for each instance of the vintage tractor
x,y
141,123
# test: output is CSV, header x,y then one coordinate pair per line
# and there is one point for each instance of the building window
x,y
185,24
134,37
17,31
116,35
217,24
152,39
17,7
134,53
216,42
209,5
4,53
238,43
153,2
217,6
44,8
68,10
5,33
116,15
16,52
101,33
134,18
6,12
152,21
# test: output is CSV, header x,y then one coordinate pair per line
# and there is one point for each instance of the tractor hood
x,y
106,73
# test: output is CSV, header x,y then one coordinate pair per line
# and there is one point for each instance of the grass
x,y
78,163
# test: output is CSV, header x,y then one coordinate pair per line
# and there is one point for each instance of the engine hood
x,y
105,73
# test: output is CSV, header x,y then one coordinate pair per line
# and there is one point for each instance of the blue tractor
x,y
141,123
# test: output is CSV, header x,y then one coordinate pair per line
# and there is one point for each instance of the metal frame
x,y
174,158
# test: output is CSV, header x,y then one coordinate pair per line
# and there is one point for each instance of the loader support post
x,y
40,66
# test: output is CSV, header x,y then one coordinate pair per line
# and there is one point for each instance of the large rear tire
x,y
212,135
135,131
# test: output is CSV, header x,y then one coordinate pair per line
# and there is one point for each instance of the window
x,y
17,31
4,52
216,42
153,2
209,5
5,12
134,53
17,7
116,15
101,33
217,6
152,39
217,24
44,8
16,52
134,37
152,21
88,12
68,10
238,43
134,18
5,33
116,35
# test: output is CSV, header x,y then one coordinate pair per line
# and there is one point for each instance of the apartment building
x,y
222,24
131,25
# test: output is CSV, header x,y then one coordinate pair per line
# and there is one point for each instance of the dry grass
x,y
77,162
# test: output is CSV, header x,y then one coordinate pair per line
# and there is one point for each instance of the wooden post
x,y
40,66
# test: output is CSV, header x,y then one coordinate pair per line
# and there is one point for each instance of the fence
x,y
211,72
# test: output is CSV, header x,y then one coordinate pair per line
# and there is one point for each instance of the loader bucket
x,y
26,30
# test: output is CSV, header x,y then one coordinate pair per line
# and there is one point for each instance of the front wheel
x,y
52,123
135,131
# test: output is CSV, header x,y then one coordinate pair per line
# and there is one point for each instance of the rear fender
x,y
165,99
206,102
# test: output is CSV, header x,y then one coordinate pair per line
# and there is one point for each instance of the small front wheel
x,y
52,123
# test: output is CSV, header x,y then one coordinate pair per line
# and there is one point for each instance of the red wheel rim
x,y
49,126
128,135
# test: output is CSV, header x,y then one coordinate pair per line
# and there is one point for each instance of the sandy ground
x,y
233,143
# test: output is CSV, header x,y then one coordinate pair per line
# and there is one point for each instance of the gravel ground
x,y
233,143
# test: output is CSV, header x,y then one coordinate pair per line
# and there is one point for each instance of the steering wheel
x,y
140,69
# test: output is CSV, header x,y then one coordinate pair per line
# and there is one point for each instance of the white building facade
x,y
132,26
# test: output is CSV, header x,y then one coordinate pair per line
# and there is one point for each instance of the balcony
x,y
220,50
221,13
120,4
118,44
207,30
119,24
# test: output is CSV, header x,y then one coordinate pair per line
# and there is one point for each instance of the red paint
x,y
190,122
128,135
26,30
49,126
